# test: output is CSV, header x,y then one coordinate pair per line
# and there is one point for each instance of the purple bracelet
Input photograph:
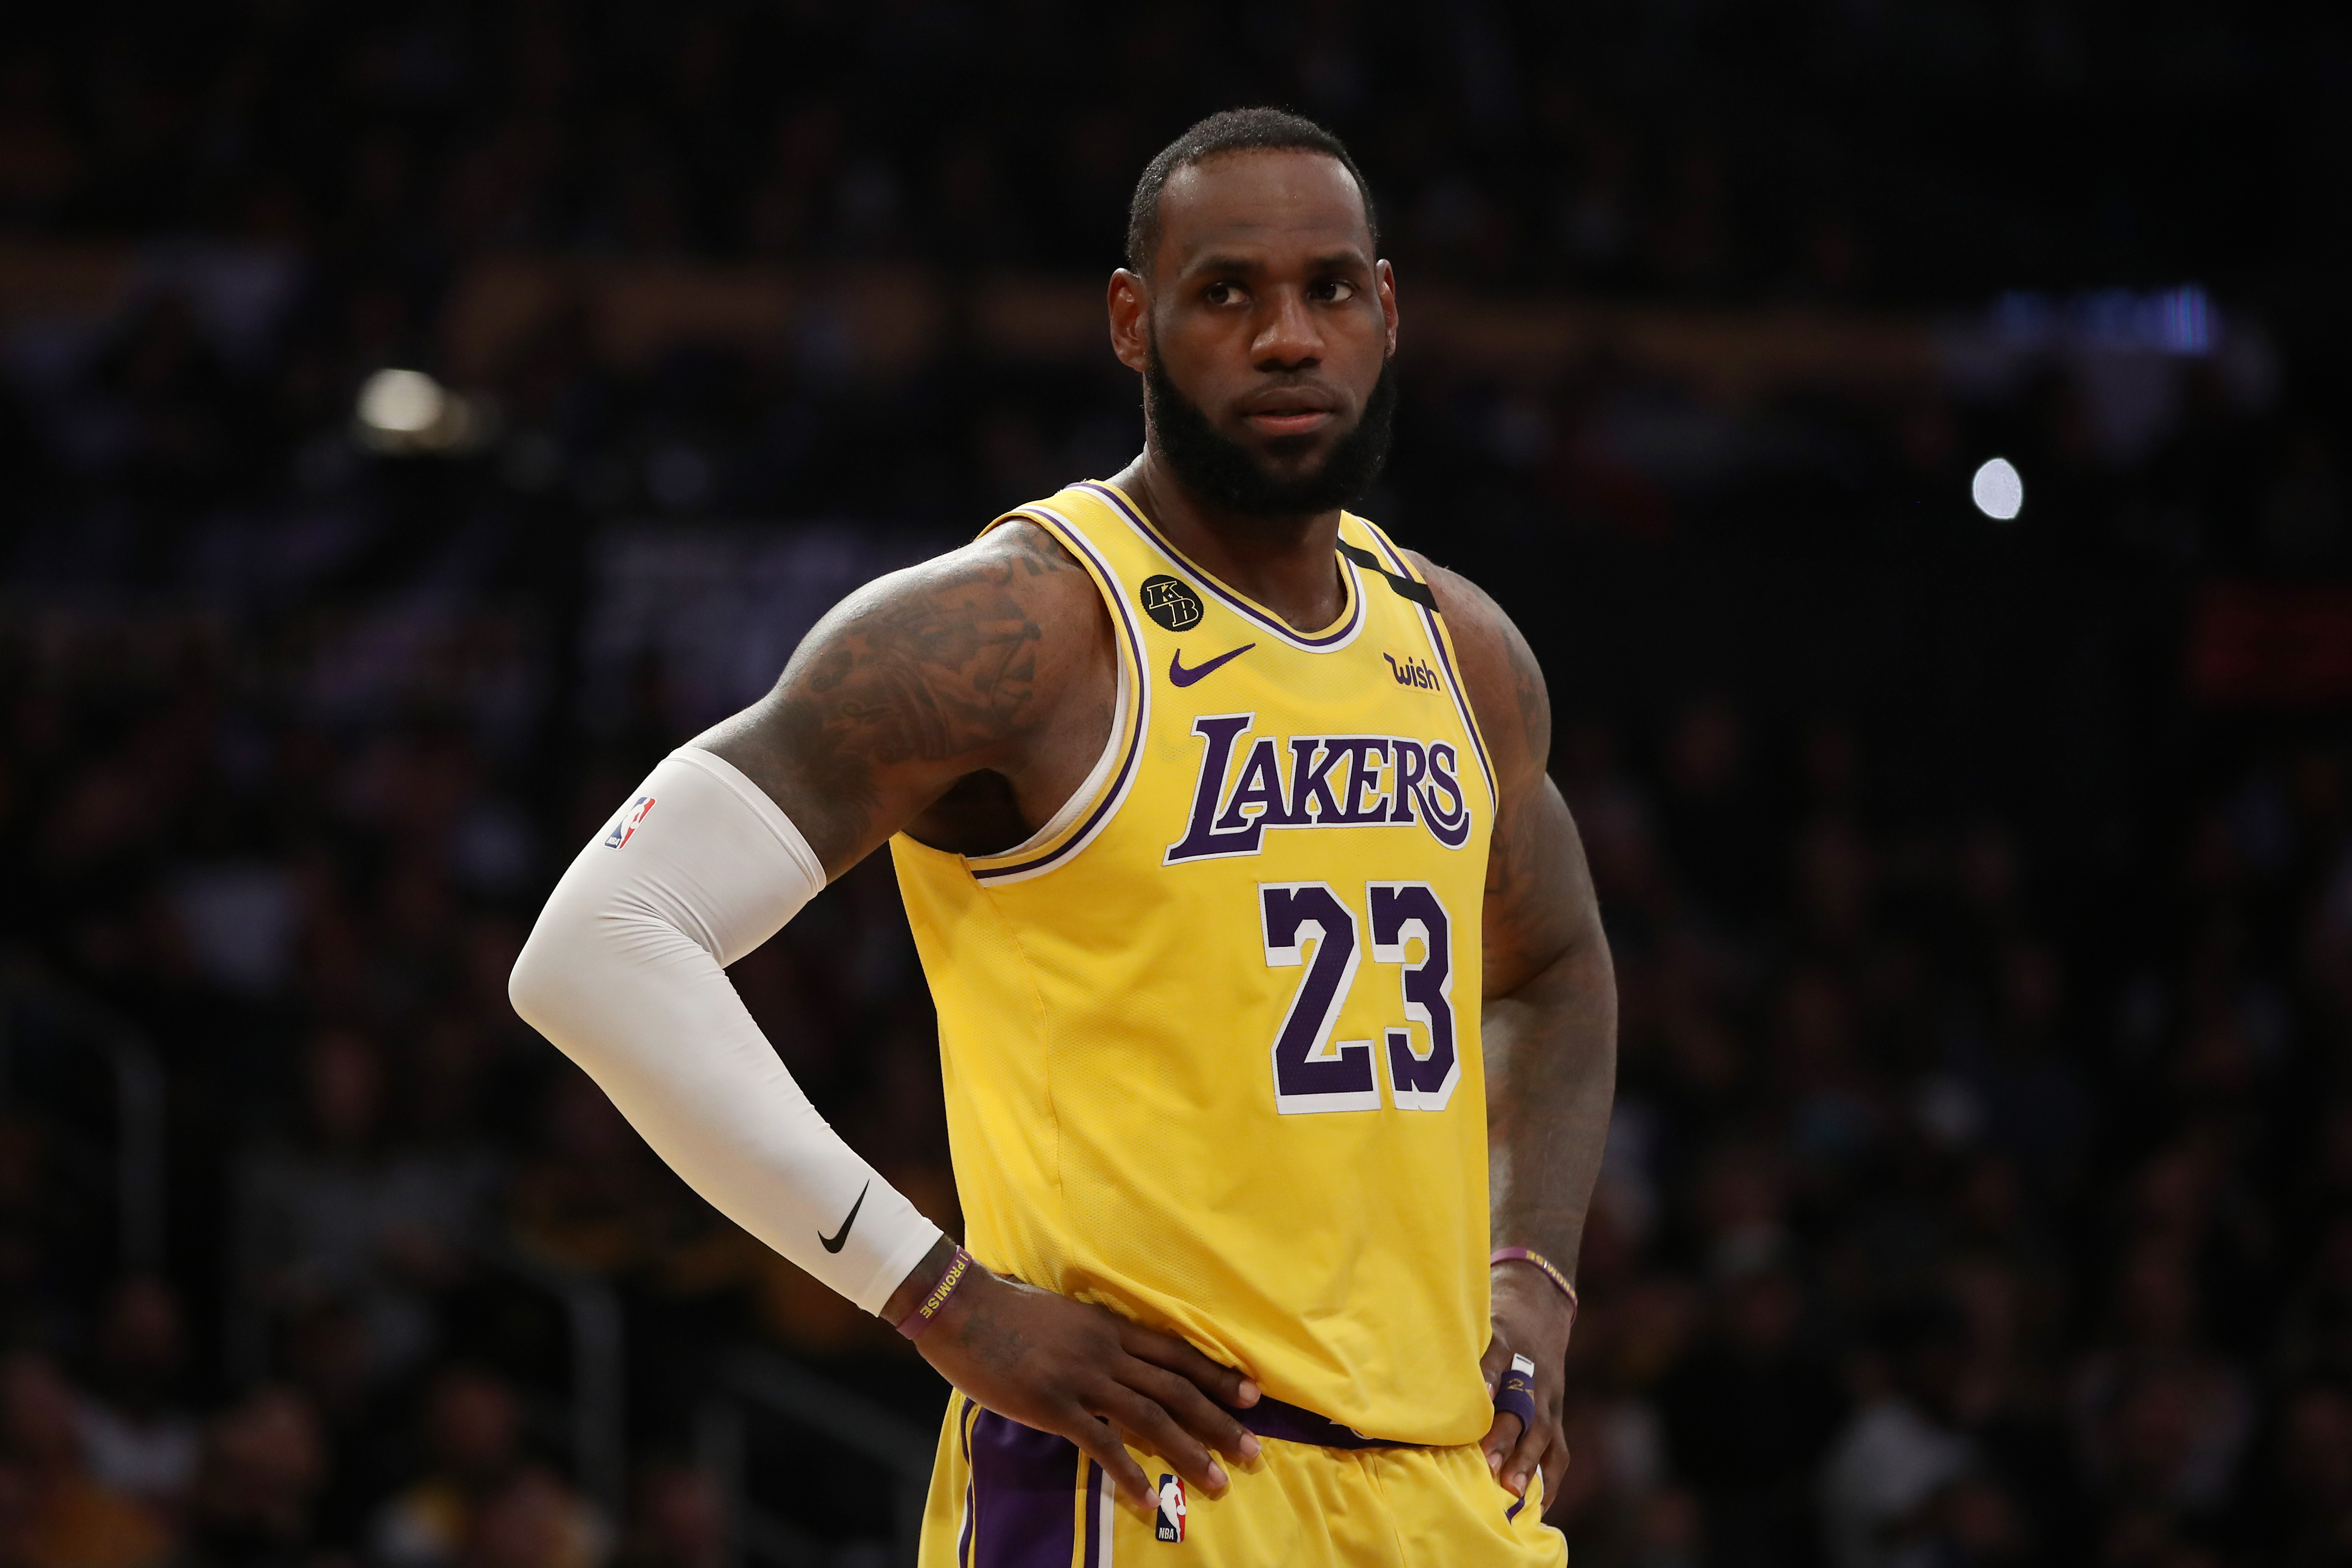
x,y
1524,1255
959,1269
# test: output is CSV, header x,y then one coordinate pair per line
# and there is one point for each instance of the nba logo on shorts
x,y
1171,1508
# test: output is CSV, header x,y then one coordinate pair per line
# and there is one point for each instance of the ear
x,y
1386,276
1130,331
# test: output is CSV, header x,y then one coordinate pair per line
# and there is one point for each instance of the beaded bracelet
x,y
915,1322
1551,1272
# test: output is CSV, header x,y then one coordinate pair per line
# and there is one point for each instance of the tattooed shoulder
x,y
911,683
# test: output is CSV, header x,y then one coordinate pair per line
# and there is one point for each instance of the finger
x,y
1527,1453
1501,1438
1221,1382
1555,1469
1102,1446
1157,1430
1494,1363
1192,1409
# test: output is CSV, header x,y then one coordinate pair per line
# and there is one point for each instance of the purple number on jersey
x,y
1402,912
1311,1072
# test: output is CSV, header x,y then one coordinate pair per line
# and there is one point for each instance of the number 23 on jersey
x,y
1310,925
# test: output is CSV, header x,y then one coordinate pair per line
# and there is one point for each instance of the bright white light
x,y
1998,489
401,402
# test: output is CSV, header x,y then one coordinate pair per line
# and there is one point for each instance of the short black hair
x,y
1232,130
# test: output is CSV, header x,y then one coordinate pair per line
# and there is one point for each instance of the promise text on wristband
x,y
959,1268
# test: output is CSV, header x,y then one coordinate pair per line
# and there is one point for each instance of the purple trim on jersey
x,y
1272,623
1093,1505
1140,717
1454,681
1290,1423
1512,1513
1022,1479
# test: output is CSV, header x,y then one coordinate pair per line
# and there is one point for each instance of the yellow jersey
x,y
1211,1036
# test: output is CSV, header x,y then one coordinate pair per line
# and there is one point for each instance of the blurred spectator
x,y
69,1518
137,1437
472,1430
594,1197
2162,1418
345,1215
2307,1518
1749,1413
679,1522
264,1462
532,1520
1892,1470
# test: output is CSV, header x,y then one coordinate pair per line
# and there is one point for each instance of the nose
x,y
1288,337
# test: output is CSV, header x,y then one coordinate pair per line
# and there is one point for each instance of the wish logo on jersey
x,y
1317,780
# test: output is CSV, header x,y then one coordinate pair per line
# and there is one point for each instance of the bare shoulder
x,y
916,679
1500,672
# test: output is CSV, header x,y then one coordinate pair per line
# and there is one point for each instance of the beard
x,y
1228,475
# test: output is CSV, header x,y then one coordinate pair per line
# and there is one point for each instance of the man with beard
x,y
1275,1016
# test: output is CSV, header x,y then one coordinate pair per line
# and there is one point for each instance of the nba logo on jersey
x,y
626,826
1171,1508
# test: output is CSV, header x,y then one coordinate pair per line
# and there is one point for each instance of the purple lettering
x,y
1412,768
1201,840
1313,780
1449,823
1364,773
1260,785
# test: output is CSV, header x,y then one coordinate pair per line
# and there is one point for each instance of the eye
x,y
1222,293
1335,291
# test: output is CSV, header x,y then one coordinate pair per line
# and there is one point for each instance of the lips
x,y
1289,424
1289,413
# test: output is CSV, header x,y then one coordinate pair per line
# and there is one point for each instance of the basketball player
x,y
1275,1016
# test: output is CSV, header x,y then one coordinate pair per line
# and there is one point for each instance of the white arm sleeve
x,y
625,973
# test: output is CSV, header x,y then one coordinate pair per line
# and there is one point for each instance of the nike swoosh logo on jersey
x,y
1183,677
833,1243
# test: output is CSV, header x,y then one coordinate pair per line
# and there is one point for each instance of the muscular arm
x,y
963,701
1550,1016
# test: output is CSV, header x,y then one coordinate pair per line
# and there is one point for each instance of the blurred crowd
x,y
1981,1190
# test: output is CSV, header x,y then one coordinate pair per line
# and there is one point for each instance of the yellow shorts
x,y
1005,1496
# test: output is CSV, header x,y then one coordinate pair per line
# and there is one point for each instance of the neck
x,y
1285,563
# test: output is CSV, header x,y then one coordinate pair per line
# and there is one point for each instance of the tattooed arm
x,y
963,701
1550,1023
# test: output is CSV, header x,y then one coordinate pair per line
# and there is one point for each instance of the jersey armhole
x,y
1091,805
1440,643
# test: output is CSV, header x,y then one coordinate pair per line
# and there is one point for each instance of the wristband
x,y
959,1269
1523,1255
1514,1393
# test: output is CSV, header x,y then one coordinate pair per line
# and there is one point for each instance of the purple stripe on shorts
x,y
1021,1486
1092,1504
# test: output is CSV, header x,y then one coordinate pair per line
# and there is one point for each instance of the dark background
x,y
1981,1186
